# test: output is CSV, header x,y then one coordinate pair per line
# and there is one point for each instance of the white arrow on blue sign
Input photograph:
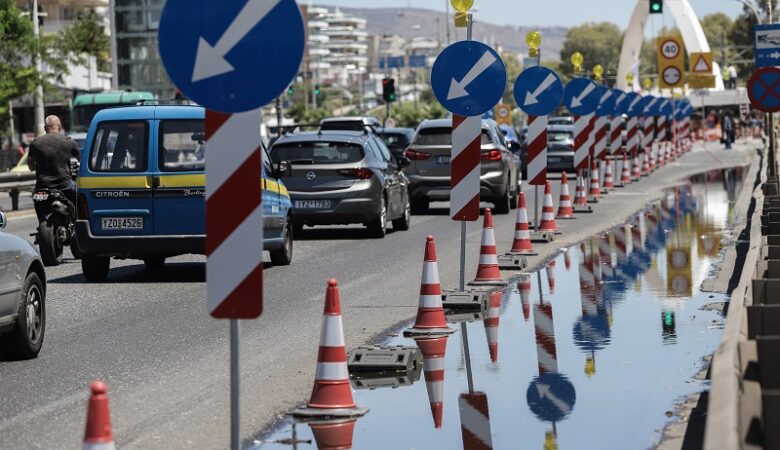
x,y
633,101
621,105
581,96
538,91
468,78
551,396
231,55
606,103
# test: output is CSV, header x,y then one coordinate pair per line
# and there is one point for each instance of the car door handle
x,y
155,181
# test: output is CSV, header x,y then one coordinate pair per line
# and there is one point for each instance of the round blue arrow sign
x,y
538,91
651,109
468,78
621,101
633,101
581,96
666,108
607,102
231,55
551,397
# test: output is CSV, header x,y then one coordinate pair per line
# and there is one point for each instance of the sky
x,y
549,12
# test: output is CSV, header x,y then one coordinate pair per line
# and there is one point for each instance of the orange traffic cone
x,y
565,209
430,312
433,350
488,272
522,242
491,324
548,212
524,287
567,259
550,270
645,165
595,184
609,183
98,434
636,170
333,434
626,176
332,394
580,197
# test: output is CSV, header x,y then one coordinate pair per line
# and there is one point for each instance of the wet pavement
x,y
591,351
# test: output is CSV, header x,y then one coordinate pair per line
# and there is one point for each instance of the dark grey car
x,y
22,297
429,172
560,148
344,177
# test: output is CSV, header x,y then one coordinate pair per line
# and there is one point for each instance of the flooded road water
x,y
591,352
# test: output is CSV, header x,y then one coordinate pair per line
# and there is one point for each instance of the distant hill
x,y
414,22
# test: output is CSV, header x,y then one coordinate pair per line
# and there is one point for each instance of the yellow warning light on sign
x,y
576,60
598,71
533,40
647,83
462,5
461,19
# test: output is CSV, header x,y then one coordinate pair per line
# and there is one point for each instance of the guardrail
x,y
14,183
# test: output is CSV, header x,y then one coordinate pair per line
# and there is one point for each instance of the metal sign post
x,y
210,51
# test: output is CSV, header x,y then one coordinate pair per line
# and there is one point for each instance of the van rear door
x,y
118,181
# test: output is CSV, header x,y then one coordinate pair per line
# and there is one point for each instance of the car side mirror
x,y
514,147
403,162
3,220
283,169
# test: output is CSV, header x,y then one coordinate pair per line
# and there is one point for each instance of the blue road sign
x,y
418,61
764,89
666,108
621,101
468,78
651,108
767,45
538,91
641,106
581,96
231,55
607,102
392,62
551,397
633,99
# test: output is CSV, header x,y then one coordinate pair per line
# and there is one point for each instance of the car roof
x,y
396,130
353,137
443,123
148,112
365,119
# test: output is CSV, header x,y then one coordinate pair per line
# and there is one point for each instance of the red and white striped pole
x,y
616,143
632,139
648,142
581,146
464,180
475,421
661,132
546,354
600,149
537,158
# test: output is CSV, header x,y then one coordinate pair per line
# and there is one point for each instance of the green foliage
x,y
513,69
17,76
86,36
717,27
407,115
599,43
311,116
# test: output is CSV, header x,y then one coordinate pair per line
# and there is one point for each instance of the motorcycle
x,y
57,227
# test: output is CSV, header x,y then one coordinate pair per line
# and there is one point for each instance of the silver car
x,y
429,172
22,297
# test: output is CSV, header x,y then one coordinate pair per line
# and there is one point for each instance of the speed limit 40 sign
x,y
671,61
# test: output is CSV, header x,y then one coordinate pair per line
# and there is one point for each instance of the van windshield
x,y
182,146
317,152
119,146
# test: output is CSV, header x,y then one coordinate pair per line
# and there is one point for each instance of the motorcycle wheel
x,y
51,249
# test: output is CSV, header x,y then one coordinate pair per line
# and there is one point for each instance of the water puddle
x,y
592,351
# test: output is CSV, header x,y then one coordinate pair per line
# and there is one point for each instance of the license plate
x,y
442,160
312,204
40,196
122,223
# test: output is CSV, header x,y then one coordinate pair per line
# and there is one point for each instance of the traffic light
x,y
388,90
290,90
656,6
316,89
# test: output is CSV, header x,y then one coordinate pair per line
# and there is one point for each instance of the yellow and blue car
x,y
141,190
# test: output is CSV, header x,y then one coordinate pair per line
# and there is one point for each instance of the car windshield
x,y
318,152
182,145
119,147
442,136
559,136
395,140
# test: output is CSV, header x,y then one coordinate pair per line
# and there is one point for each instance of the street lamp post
x,y
38,95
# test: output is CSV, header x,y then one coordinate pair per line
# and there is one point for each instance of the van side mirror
x,y
283,169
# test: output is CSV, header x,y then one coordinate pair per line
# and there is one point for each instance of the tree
x,y
717,27
741,33
86,37
17,75
513,69
599,43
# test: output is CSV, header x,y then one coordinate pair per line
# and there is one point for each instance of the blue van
x,y
141,190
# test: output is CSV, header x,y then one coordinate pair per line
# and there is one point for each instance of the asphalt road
x,y
166,362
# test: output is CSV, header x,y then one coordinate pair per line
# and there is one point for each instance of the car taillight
x,y
492,155
415,155
361,174
82,210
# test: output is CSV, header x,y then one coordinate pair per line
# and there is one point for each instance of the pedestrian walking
x,y
732,76
727,128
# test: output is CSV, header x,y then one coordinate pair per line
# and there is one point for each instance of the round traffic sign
x,y
633,100
621,101
672,75
231,56
468,78
607,102
670,49
651,109
764,89
538,91
551,396
581,96
666,108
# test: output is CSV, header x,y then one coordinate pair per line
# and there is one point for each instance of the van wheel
x,y
154,263
26,339
283,256
95,268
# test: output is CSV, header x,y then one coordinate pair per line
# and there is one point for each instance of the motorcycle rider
x,y
49,156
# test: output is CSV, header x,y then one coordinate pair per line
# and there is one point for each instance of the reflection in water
x,y
628,279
